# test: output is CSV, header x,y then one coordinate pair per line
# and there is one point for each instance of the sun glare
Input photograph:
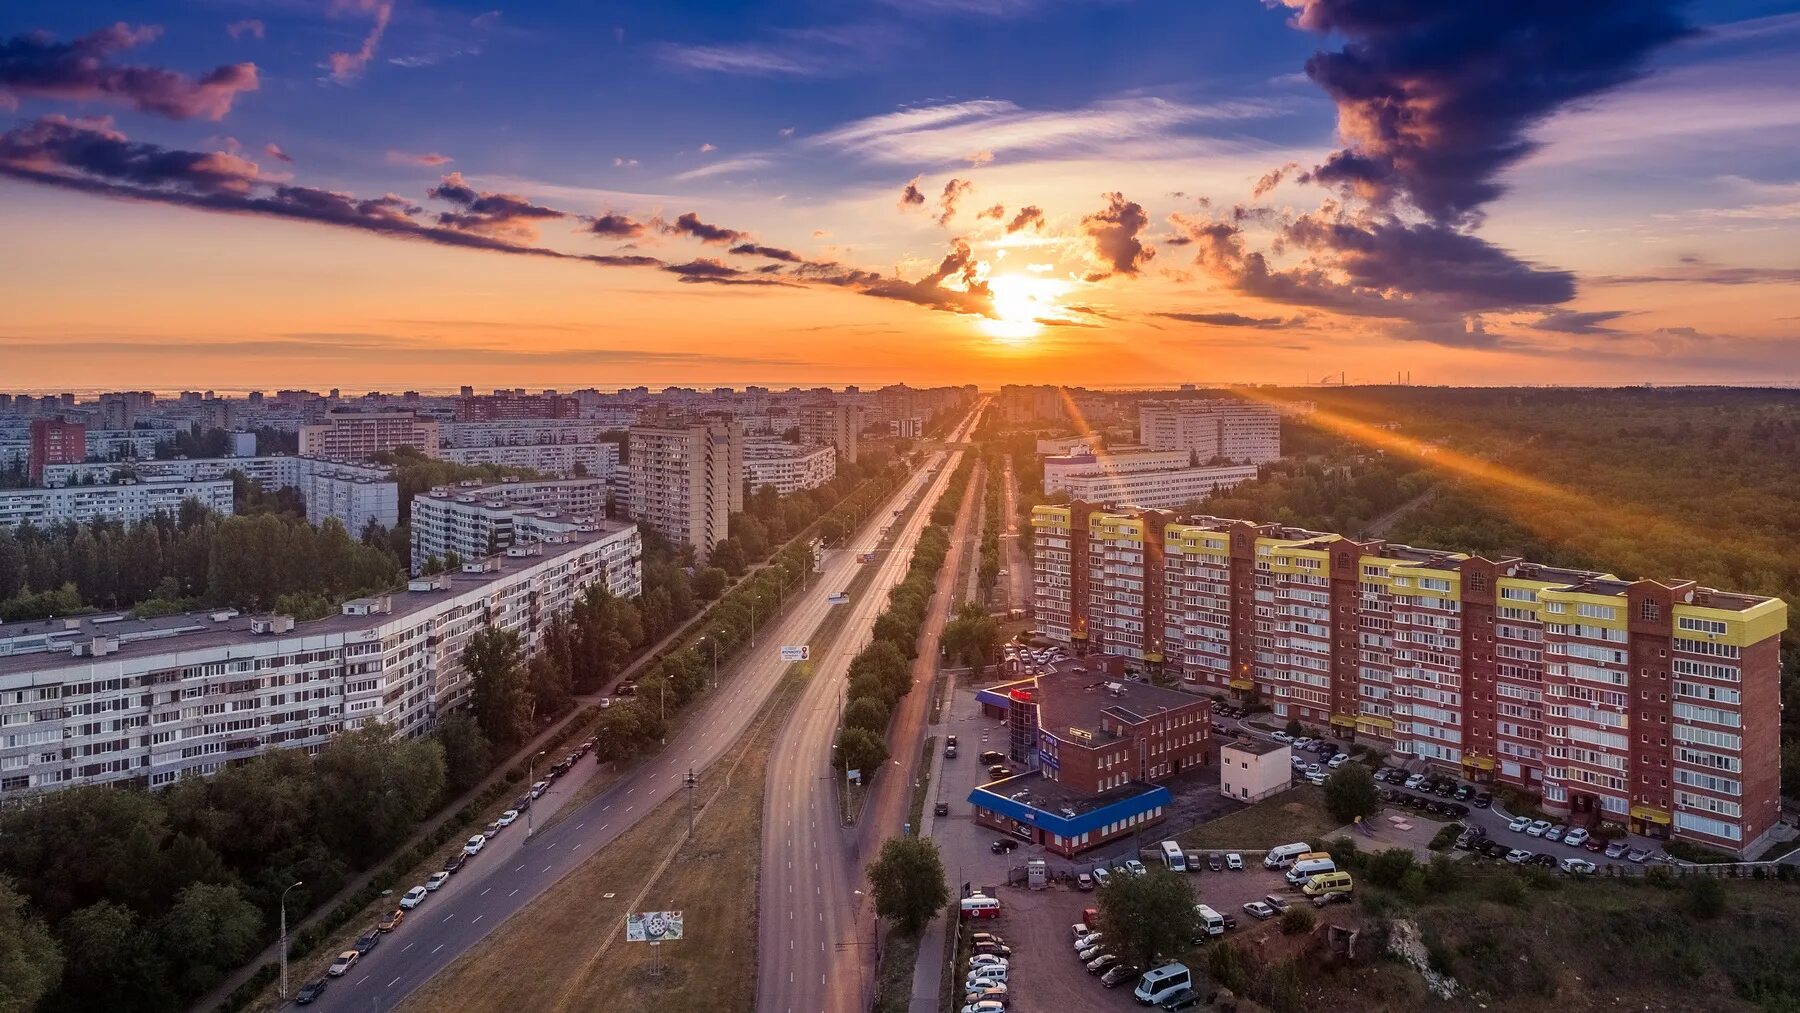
x,y
1021,304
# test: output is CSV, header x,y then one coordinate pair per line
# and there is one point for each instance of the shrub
x,y
1506,889
1705,897
1445,837
1297,920
1660,876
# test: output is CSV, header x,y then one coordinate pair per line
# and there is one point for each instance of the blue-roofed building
x,y
1098,745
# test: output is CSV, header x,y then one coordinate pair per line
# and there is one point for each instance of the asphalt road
x,y
511,872
817,928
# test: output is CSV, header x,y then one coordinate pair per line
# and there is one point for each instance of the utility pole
x,y
691,781
284,946
531,782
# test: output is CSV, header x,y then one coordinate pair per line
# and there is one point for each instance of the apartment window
x,y
1649,610
1477,582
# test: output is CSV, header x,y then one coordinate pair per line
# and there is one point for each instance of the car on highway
x,y
474,845
344,962
1118,974
1519,824
413,898
391,921
367,941
436,880
310,991
1234,861
508,818
1099,964
1537,828
1003,845
1259,909
1576,837
455,861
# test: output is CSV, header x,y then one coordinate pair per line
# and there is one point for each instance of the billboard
x,y
792,652
653,927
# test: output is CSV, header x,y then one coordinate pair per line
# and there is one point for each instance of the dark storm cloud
x,y
1435,99
38,66
1113,232
690,225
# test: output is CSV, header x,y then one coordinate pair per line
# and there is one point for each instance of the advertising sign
x,y
800,652
653,927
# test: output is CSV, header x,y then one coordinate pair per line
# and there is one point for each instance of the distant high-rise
x,y
355,436
54,441
516,405
687,478
837,426
1240,431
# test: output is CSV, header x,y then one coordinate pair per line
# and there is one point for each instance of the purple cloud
x,y
37,66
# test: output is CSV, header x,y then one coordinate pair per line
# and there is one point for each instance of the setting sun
x,y
1022,304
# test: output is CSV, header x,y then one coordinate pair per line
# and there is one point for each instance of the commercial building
x,y
108,698
838,426
472,520
1244,432
126,503
1099,747
356,436
687,479
787,467
1251,770
54,441
354,494
1654,704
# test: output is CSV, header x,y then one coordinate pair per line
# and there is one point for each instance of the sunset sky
x,y
363,193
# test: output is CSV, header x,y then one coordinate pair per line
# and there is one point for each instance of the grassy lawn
x,y
893,986
922,788
569,953
1297,814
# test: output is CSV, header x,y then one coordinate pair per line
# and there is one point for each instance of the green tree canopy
x,y
908,882
1150,917
1350,793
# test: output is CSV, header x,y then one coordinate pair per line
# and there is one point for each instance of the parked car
x,y
344,962
1119,974
474,844
988,960
1315,776
538,788
1554,833
1518,856
1215,861
455,861
1463,792
1003,845
1084,881
1282,737
413,898
436,880
1299,764
995,949
1537,828
367,941
977,938
1483,800
391,920
1091,939
1414,780
1330,898
1135,867
1338,760
1234,861
1259,909
1638,855
1495,849
1090,952
1616,849
1577,866
1519,824
985,1006
995,994
1276,901
492,829
1576,837
1593,844
993,756
310,991
999,770
1099,964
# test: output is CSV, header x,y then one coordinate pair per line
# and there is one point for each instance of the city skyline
x,y
897,193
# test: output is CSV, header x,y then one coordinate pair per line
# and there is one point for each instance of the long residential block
x,y
1655,704
107,698
126,503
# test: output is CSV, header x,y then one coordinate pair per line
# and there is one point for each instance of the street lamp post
x,y
284,947
753,600
531,782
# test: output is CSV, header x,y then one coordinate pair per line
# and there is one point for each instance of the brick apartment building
x,y
502,406
54,441
1655,704
1100,748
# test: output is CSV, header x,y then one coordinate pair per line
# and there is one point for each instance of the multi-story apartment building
x,y
1654,704
839,426
127,503
354,494
54,441
109,698
472,520
1154,479
513,405
687,479
526,432
1244,432
787,467
356,436
598,460
1100,749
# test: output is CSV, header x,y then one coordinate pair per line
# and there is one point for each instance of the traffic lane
x,y
467,914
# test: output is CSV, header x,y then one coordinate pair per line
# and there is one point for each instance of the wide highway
x,y
511,872
817,927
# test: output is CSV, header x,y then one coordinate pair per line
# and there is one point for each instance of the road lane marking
x,y
511,894
439,947
546,868
578,826
408,946
477,918
450,916
520,868
396,981
484,893
362,979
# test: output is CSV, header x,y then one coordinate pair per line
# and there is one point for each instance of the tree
x,y
1387,868
1706,898
1295,728
112,962
908,882
860,749
867,713
972,637
209,931
708,583
1149,917
1297,920
379,789
30,962
492,659
467,755
1350,794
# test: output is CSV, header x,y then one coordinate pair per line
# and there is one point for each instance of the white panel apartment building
x,y
788,467
1241,431
355,494
526,432
112,699
127,504
1152,479
687,480
355,435
598,460
473,520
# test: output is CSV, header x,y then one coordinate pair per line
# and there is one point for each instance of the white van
x,y
1172,857
1282,857
1160,983
1211,921
1303,871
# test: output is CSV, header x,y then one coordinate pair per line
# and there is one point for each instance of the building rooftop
x,y
35,644
1075,693
1255,747
1053,806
